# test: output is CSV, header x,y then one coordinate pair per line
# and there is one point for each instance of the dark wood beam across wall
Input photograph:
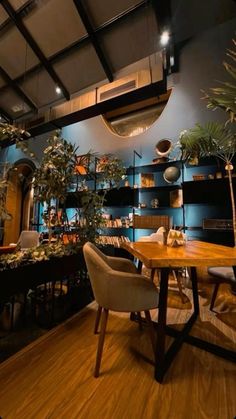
x,y
5,115
152,90
93,38
34,46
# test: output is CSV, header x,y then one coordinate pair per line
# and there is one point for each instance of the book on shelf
x,y
113,240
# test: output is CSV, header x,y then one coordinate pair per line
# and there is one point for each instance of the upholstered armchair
x,y
118,287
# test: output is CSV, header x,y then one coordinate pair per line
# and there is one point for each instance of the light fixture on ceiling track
x,y
164,39
58,90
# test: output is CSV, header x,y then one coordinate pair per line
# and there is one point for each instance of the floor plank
x,y
53,376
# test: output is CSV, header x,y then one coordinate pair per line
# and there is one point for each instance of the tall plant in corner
x,y
216,139
54,176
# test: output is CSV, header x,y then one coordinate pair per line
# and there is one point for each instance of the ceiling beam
x,y
84,40
22,12
11,83
5,115
152,90
93,38
34,46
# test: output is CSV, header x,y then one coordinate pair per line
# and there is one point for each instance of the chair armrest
x,y
121,264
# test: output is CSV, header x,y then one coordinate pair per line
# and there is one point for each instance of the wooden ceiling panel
x,y
80,69
3,15
11,103
131,40
2,82
104,10
54,25
40,88
17,4
15,54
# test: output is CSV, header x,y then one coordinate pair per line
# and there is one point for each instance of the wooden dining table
x,y
192,254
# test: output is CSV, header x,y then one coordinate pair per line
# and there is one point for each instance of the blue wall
x,y
200,66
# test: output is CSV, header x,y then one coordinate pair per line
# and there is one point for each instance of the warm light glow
x,y
165,38
58,90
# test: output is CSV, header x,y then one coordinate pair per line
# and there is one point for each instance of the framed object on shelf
x,y
82,164
176,198
147,180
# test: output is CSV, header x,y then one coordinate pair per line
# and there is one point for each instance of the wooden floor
x,y
53,377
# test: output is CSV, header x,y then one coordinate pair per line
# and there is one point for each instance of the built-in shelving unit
x,y
187,203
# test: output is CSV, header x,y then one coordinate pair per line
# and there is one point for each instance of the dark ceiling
x,y
75,45
69,44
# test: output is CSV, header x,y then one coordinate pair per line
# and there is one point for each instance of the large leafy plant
x,y
4,171
54,176
57,176
223,97
214,138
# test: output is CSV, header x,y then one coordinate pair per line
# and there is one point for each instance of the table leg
x,y
161,325
195,290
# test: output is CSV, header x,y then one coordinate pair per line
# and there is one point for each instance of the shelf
x,y
117,206
156,209
159,188
209,230
153,167
115,228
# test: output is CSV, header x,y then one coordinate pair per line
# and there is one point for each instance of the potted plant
x,y
58,176
214,138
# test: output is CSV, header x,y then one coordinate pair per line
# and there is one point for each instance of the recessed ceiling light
x,y
165,36
58,90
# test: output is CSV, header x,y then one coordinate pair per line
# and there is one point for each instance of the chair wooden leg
x,y
183,297
105,313
97,320
151,331
214,295
139,318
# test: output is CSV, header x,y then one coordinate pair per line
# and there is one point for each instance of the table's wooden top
x,y
193,253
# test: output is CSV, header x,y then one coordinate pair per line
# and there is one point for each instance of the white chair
x,y
27,239
118,291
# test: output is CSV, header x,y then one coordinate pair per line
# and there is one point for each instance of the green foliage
x,y
54,177
224,97
59,174
9,134
37,254
4,214
213,139
92,215
111,169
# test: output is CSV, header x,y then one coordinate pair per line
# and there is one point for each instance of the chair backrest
x,y
28,238
117,290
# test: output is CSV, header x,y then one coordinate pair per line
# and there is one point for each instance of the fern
x,y
213,139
